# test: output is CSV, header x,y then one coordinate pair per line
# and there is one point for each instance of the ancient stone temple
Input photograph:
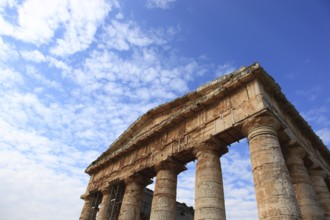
x,y
290,164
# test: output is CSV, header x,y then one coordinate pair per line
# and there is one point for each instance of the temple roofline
x,y
217,88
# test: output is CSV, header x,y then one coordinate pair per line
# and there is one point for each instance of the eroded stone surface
x,y
274,191
306,197
321,190
164,200
209,196
130,207
247,102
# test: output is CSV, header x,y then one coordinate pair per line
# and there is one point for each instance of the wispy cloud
x,y
318,116
240,197
163,4
7,51
324,134
224,69
81,25
310,94
76,79
34,55
38,22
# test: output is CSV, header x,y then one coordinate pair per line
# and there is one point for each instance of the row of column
x,y
284,188
209,196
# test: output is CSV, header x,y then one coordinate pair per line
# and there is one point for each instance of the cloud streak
x,y
162,4
74,76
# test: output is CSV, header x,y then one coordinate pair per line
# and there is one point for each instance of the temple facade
x,y
290,164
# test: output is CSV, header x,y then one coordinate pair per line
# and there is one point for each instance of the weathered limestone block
x,y
305,194
104,204
164,201
85,213
274,191
209,196
130,207
321,190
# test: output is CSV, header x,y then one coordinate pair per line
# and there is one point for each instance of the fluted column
x,y
85,213
321,190
305,194
130,207
274,191
164,200
102,214
209,196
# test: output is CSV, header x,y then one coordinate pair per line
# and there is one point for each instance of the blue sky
x,y
74,74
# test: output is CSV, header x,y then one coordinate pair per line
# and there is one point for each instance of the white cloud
x,y
7,51
240,197
9,79
224,69
163,4
122,35
35,56
32,72
38,21
57,114
38,181
85,17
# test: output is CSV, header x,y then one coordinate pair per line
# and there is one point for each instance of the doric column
x,y
209,196
130,207
85,213
274,191
305,194
102,214
164,200
321,190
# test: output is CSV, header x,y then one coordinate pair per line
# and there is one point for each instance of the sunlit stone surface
x,y
289,183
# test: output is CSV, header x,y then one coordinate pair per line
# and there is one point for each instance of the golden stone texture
x,y
130,208
209,196
199,126
306,197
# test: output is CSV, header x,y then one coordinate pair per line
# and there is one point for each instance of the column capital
x,y
317,173
295,151
138,179
269,123
171,164
105,191
86,197
210,146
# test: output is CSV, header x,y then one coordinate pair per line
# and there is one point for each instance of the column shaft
x,y
309,206
130,207
209,195
85,213
274,191
164,200
321,190
102,214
